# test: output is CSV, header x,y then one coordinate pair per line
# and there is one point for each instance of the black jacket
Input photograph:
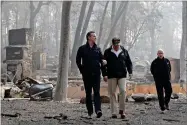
x,y
161,68
91,60
117,67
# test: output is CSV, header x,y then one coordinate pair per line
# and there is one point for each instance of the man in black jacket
x,y
161,68
118,63
92,62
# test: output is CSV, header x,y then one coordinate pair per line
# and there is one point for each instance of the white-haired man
x,y
161,68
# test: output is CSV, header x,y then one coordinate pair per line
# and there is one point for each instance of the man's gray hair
x,y
160,50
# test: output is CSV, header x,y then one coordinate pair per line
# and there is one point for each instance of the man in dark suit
x,y
160,69
89,60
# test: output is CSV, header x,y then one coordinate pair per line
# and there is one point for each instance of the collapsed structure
x,y
19,53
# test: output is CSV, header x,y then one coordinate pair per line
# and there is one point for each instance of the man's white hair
x,y
160,50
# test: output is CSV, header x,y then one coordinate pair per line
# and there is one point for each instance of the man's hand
x,y
104,62
105,78
130,76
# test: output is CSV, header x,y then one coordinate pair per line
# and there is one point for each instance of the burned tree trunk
x,y
113,14
182,60
33,12
113,11
17,16
79,41
123,28
77,36
56,32
62,80
184,42
153,44
185,33
101,25
120,11
32,15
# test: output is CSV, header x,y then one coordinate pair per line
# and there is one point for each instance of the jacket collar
x,y
94,46
111,47
160,59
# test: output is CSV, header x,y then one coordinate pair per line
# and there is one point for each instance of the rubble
x,y
174,96
146,103
6,77
2,93
139,97
28,87
151,97
58,117
9,90
104,99
129,99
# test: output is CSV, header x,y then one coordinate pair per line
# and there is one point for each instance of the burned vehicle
x,y
36,90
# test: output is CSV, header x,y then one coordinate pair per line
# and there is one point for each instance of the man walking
x,y
161,68
118,63
92,62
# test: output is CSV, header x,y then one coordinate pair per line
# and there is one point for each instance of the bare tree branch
x,y
38,8
53,3
135,38
118,15
40,4
46,3
32,7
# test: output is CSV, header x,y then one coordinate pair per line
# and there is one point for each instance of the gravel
x,y
46,113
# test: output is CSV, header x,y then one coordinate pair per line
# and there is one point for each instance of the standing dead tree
x,y
35,10
120,11
77,36
33,13
78,42
101,24
62,80
183,49
123,29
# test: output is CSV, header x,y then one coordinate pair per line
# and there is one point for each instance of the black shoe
x,y
99,114
167,107
163,110
122,114
114,116
89,116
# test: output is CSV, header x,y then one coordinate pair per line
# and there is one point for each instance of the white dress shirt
x,y
116,52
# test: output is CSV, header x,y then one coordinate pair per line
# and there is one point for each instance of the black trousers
x,y
92,81
163,87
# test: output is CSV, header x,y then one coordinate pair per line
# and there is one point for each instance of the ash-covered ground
x,y
34,113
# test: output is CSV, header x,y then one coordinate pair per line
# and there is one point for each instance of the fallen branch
x,y
171,120
11,115
58,117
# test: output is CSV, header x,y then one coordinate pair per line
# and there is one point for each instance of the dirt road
x,y
34,113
